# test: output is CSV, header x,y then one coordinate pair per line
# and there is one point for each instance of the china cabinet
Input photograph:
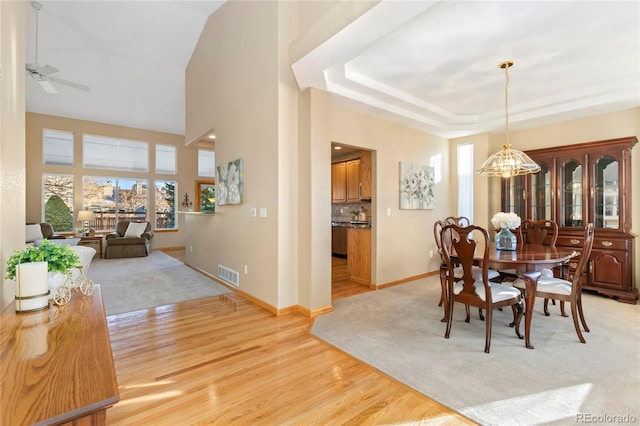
x,y
579,184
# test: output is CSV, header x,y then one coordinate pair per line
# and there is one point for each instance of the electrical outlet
x,y
263,212
388,211
431,254
190,249
246,269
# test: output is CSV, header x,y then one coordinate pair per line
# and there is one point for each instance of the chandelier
x,y
508,162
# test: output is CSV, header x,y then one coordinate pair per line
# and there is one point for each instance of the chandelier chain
x,y
506,104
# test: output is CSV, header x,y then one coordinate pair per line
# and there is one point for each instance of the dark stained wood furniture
x,y
56,364
528,260
580,184
467,243
570,290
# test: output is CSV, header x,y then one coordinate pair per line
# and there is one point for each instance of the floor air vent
x,y
228,275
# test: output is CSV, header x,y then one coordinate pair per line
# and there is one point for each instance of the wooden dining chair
x,y
472,290
446,238
570,289
543,232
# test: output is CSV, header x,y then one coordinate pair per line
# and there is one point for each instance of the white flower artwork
x,y
230,182
417,187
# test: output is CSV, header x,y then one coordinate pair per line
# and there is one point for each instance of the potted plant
x,y
29,268
59,258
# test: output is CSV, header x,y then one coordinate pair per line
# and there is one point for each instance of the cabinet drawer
x,y
570,241
611,244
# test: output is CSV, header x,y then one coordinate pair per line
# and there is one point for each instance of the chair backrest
x,y
462,251
437,234
457,220
543,232
577,268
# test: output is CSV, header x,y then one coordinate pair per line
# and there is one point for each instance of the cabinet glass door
x,y
606,194
541,193
516,201
571,200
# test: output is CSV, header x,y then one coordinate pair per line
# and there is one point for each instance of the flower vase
x,y
506,240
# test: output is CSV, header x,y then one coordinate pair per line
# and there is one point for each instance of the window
x,y
99,152
113,199
206,196
57,200
165,204
206,163
57,148
166,159
465,181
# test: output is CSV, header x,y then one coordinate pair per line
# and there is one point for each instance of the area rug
x,y
398,331
139,283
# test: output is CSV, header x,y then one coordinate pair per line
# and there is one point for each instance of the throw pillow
x,y
135,229
33,232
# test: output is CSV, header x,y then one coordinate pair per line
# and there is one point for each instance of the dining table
x,y
528,260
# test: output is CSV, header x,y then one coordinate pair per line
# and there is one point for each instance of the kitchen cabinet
x,y
365,175
353,181
339,240
345,181
359,254
339,182
580,184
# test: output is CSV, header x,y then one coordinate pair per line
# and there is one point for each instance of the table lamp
x,y
85,216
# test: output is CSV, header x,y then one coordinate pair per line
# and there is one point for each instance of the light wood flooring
x,y
224,360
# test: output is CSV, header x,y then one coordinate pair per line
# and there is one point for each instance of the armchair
x,y
130,239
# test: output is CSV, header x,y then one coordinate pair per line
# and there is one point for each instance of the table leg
x,y
531,283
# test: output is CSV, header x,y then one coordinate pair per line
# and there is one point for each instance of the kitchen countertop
x,y
353,224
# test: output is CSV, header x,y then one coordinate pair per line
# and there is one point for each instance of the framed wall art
x,y
230,183
417,187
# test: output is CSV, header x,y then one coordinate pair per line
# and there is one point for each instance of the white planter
x,y
32,289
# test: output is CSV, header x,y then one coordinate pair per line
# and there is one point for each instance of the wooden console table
x,y
56,365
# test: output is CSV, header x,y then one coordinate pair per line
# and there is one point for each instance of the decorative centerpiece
x,y
505,239
29,268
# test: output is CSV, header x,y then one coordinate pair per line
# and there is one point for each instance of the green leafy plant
x,y
58,257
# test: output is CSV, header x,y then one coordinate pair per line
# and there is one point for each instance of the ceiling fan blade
x,y
69,83
47,70
47,87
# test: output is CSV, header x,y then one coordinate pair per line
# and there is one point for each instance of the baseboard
x,y
166,249
405,280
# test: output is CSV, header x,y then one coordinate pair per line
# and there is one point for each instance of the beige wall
x,y
12,139
186,177
233,84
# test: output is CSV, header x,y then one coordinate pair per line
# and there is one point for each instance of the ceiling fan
x,y
43,73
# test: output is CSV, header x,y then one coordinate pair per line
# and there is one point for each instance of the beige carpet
x,y
561,381
147,282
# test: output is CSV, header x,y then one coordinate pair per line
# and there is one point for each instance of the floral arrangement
x,y
58,257
506,220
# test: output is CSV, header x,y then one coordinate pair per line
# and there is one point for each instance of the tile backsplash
x,y
343,212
